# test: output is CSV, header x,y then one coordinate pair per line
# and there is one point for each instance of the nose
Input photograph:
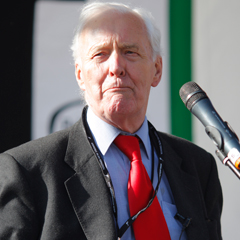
x,y
116,65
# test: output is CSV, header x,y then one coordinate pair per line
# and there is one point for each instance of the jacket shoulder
x,y
194,159
37,151
182,146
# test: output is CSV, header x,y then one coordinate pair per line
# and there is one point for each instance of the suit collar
x,y
104,133
87,188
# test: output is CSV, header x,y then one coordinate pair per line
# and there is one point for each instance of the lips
x,y
118,89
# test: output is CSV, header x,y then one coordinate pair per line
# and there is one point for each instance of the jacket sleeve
x,y
17,213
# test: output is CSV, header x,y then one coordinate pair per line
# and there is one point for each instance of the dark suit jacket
x,y
53,189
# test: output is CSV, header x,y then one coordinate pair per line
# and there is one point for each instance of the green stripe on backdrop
x,y
180,65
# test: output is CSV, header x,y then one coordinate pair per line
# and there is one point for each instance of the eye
x,y
100,54
130,52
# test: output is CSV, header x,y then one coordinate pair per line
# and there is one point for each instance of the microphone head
x,y
191,93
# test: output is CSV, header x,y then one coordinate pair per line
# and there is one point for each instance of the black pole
x,y
16,70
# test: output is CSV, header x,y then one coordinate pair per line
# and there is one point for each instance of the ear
x,y
158,71
78,74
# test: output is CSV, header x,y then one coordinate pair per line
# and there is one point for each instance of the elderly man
x,y
111,175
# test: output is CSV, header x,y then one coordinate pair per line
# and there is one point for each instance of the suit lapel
x,y
186,192
87,188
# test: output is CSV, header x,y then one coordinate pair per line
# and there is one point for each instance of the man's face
x,y
116,68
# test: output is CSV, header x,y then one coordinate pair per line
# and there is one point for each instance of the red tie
x,y
151,223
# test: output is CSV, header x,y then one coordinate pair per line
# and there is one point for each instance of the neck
x,y
124,122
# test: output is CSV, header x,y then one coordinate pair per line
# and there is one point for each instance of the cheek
x,y
94,80
142,77
142,81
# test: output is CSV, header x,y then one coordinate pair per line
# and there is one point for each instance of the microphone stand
x,y
227,161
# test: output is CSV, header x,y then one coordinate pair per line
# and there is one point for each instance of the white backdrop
x,y
216,51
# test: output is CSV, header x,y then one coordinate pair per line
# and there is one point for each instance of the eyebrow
x,y
121,46
128,46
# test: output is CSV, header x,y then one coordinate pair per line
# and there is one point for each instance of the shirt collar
x,y
104,133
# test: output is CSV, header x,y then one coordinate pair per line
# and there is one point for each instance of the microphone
x,y
223,136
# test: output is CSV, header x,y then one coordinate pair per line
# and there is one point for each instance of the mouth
x,y
118,89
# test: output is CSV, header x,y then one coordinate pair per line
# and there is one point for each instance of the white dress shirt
x,y
118,166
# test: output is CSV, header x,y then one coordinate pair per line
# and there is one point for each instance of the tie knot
x,y
129,145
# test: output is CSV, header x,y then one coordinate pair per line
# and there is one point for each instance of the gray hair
x,y
92,9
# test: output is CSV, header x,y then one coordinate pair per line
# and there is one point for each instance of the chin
x,y
122,107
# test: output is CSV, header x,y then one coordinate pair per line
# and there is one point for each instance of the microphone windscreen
x,y
190,93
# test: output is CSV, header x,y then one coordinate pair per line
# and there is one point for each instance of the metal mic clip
x,y
185,221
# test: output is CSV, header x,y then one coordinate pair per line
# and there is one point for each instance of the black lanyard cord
x,y
101,162
130,221
155,144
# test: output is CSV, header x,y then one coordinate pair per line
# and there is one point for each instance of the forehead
x,y
123,27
